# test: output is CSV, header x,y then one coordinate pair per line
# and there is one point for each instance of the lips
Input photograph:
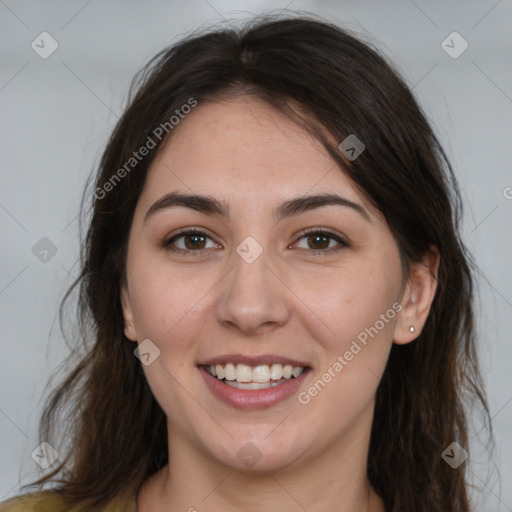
x,y
246,382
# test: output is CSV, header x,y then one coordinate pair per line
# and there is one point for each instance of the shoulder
x,y
44,501
51,501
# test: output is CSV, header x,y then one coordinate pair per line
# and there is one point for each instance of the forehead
x,y
245,149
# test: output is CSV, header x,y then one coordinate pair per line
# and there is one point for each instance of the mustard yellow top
x,y
50,501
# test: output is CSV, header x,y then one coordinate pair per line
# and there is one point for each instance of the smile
x,y
253,383
263,376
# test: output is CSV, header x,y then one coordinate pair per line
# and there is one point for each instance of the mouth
x,y
250,383
262,376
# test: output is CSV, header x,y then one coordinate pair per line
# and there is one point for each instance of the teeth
x,y
276,372
243,373
261,374
230,372
253,385
249,375
219,370
297,371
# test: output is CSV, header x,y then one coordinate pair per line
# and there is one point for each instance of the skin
x,y
289,301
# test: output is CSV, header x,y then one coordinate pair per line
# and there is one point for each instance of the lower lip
x,y
252,398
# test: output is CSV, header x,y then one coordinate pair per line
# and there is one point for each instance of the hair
x,y
333,84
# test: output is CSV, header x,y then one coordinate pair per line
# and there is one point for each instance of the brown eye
x,y
322,241
188,242
194,241
318,241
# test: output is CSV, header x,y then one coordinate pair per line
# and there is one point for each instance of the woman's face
x,y
274,279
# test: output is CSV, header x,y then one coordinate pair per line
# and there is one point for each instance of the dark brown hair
x,y
334,85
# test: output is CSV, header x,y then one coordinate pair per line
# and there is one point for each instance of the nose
x,y
253,298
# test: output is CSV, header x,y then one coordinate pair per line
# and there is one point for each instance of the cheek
x,y
353,361
343,306
359,310
169,304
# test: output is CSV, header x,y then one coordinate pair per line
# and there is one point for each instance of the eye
x,y
319,241
187,241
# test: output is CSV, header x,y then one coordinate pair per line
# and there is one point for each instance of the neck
x,y
333,480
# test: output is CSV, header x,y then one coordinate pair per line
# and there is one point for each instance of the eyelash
x,y
302,234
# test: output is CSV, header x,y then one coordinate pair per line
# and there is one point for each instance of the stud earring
x,y
412,329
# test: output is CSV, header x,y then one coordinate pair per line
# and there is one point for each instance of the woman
x,y
280,301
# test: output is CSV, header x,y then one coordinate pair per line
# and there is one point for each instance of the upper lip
x,y
252,360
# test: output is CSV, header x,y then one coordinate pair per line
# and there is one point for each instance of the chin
x,y
259,453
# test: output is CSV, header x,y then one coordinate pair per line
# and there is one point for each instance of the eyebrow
x,y
212,206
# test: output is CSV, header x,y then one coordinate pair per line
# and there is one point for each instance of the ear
x,y
129,325
418,297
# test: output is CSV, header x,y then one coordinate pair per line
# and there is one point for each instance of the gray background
x,y
57,114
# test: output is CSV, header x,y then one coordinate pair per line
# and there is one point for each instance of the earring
x,y
412,329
